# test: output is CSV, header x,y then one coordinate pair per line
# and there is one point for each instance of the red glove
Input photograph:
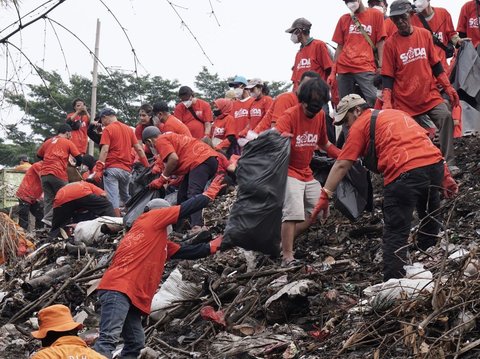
x,y
98,171
215,187
215,244
450,187
144,161
157,168
333,151
286,134
449,90
158,183
387,99
321,207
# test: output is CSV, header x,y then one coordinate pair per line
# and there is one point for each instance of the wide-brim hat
x,y
55,318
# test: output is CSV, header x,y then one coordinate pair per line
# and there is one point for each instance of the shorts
x,y
300,199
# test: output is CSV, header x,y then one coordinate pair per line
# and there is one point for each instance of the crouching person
x,y
413,169
129,284
58,333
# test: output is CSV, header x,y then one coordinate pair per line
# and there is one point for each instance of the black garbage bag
x,y
256,216
321,166
136,204
140,178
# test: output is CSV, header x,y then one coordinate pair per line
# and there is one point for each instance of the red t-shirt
x,y
401,144
258,109
468,22
191,152
76,190
281,103
173,124
139,261
390,27
139,130
80,137
202,110
30,189
120,138
357,54
314,56
308,133
442,26
223,127
241,113
55,153
409,60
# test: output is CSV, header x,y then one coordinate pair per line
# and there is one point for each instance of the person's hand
x,y
387,99
158,183
157,168
215,187
460,41
215,244
450,187
98,172
321,207
332,78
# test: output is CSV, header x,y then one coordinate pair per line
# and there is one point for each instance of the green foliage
x,y
210,86
278,87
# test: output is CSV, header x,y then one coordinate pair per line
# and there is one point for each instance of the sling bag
x,y
195,115
449,48
367,37
370,160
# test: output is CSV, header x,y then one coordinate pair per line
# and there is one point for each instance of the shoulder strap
x,y
373,122
436,40
194,114
366,36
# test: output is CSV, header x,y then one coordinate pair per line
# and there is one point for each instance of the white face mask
x,y
187,103
238,92
420,5
294,38
254,93
353,6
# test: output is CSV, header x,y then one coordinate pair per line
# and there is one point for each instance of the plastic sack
x,y
321,166
137,203
140,178
256,216
89,232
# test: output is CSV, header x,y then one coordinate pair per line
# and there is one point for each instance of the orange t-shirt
x,y
241,113
55,153
258,109
202,110
314,56
357,54
390,27
173,124
281,103
120,139
139,261
409,60
308,133
223,127
67,347
468,22
401,144
80,137
191,152
30,189
76,190
442,26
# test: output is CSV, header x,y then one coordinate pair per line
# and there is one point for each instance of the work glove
x,y
157,168
97,174
159,182
387,99
144,161
215,187
449,90
333,151
215,244
450,187
321,207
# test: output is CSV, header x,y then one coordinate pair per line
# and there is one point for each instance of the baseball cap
x,y
253,82
238,80
149,132
161,106
301,23
64,128
56,318
400,7
107,112
346,104
184,91
156,204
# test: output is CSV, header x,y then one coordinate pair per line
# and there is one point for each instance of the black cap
x,y
184,91
301,23
107,112
160,106
64,129
400,7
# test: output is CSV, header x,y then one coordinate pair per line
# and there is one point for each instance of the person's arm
x,y
208,129
103,153
171,164
200,201
338,171
141,154
380,52
331,150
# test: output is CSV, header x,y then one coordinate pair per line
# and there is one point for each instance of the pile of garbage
x,y
243,304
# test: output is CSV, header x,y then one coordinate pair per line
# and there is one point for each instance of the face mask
x,y
254,93
420,5
313,108
217,113
353,6
294,38
238,92
187,103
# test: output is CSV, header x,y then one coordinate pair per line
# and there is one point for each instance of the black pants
x,y
24,210
194,183
97,206
418,188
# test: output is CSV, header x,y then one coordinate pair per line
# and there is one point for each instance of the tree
x,y
210,86
278,87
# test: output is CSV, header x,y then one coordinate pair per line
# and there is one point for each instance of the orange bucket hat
x,y
55,318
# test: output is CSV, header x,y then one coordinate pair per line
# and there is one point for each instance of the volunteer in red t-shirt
x,y
382,6
115,160
56,153
259,106
305,123
78,121
195,113
313,54
77,197
168,122
129,284
242,104
468,22
146,119
183,156
29,196
354,58
413,170
410,65
223,130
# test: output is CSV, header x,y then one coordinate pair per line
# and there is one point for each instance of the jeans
x,y
115,183
50,186
418,188
24,210
119,318
364,80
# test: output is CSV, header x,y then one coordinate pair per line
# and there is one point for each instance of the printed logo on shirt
x,y
304,64
473,22
218,131
307,139
256,112
413,54
354,29
199,113
241,113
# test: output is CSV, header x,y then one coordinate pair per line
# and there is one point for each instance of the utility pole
x,y
93,101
